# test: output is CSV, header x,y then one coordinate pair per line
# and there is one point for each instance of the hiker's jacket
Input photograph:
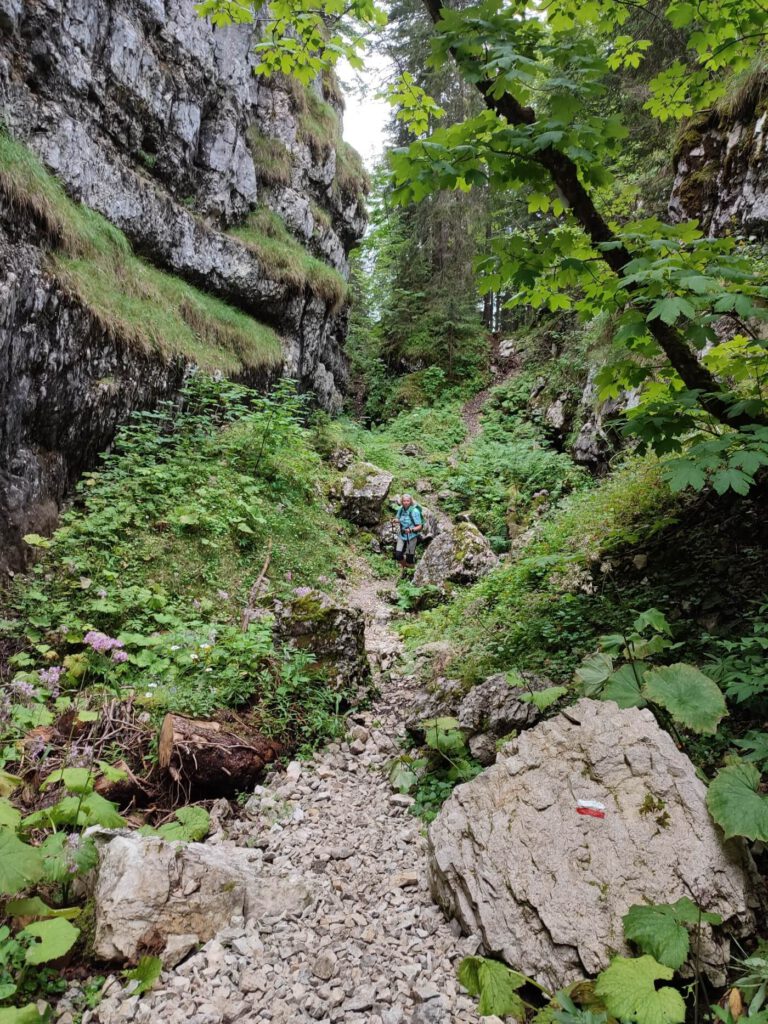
x,y
408,518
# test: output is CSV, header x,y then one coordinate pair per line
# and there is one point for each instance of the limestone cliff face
x,y
721,166
152,118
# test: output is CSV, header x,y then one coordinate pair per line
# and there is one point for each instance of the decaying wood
x,y
206,759
249,612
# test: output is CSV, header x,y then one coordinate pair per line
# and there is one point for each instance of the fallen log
x,y
206,759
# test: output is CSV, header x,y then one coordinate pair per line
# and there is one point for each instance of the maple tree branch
x,y
564,172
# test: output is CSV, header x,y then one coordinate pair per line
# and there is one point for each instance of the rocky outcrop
x,y
363,492
721,165
66,384
334,635
155,120
546,887
154,896
460,555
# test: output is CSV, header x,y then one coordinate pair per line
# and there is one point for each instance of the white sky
x,y
365,115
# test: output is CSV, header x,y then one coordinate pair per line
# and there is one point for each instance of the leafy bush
x,y
433,776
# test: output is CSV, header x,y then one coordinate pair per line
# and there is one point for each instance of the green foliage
x,y
191,825
431,777
628,988
143,586
544,699
495,984
735,803
546,609
51,939
146,307
683,692
660,931
146,973
20,864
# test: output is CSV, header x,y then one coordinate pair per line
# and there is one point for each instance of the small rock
x,y
405,879
401,800
325,965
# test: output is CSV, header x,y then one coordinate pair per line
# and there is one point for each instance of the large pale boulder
x,y
159,897
546,887
331,632
458,555
363,492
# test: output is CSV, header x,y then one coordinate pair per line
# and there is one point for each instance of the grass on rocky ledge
x,y
287,260
137,302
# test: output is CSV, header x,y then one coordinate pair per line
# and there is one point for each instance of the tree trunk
x,y
206,759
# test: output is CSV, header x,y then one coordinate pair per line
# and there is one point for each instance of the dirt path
x,y
471,410
370,947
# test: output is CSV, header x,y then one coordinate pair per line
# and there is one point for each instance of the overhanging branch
x,y
564,173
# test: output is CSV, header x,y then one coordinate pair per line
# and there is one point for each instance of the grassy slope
x,y
287,260
154,310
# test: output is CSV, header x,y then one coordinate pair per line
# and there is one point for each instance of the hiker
x,y
409,523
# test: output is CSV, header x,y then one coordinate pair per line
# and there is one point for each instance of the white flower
x,y
147,694
193,657
209,670
175,647
205,647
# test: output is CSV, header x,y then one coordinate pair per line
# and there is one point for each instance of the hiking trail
x,y
371,947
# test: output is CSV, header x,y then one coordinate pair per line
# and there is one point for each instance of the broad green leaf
x,y
28,1014
692,698
52,939
402,777
10,816
146,972
593,672
7,990
655,619
8,782
659,930
671,308
628,989
20,864
76,780
495,984
682,473
543,699
191,825
35,907
735,804
111,773
102,812
59,858
623,688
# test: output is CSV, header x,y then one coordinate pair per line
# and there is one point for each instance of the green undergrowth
x,y
287,260
153,310
161,548
543,610
428,435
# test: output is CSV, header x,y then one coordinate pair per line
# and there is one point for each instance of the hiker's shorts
x,y
405,550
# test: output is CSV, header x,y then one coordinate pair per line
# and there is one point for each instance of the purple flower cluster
x,y
24,689
119,656
302,591
101,643
50,677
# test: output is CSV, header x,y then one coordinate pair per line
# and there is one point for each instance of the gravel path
x,y
370,948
